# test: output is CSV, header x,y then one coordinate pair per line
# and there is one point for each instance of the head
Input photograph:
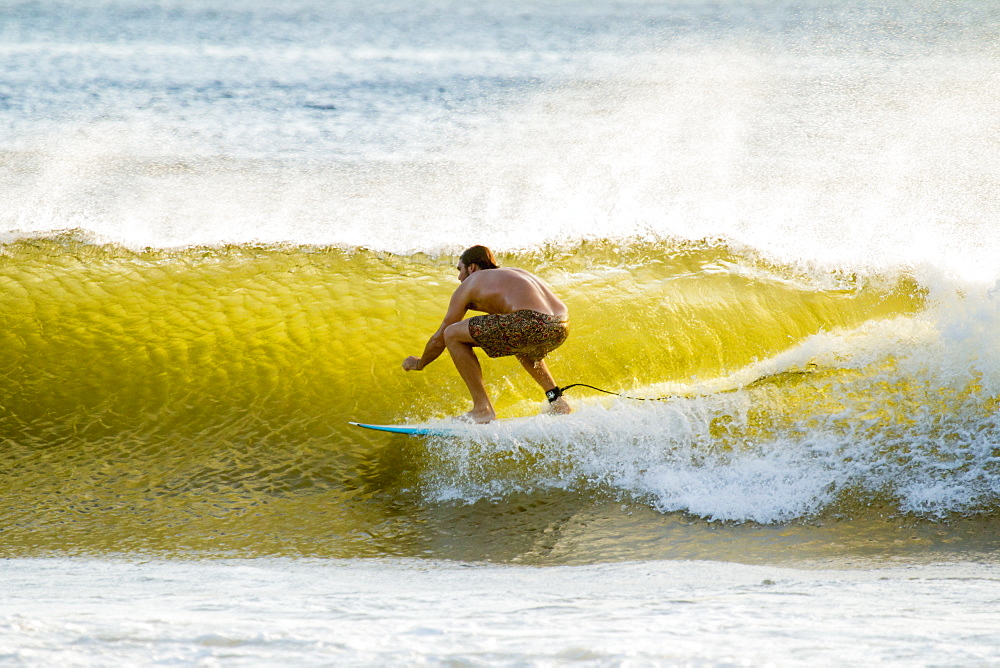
x,y
475,259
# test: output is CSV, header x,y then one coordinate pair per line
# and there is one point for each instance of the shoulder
x,y
491,275
508,273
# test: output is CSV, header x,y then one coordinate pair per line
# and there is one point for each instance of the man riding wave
x,y
524,319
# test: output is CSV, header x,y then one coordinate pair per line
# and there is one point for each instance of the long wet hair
x,y
481,256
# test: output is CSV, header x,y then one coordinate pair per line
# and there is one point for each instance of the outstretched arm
x,y
457,308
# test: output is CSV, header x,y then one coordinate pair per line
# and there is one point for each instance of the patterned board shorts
x,y
526,333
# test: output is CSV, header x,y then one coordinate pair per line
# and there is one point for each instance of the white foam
x,y
890,408
382,612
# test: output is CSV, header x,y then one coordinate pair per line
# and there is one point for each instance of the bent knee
x,y
457,333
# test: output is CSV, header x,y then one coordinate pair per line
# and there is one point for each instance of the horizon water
x,y
225,225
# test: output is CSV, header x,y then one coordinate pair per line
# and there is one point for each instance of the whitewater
x,y
224,226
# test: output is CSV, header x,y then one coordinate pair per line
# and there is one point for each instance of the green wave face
x,y
97,339
198,399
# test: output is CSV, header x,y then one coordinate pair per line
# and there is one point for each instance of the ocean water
x,y
224,225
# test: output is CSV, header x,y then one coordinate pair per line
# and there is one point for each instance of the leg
x,y
460,344
540,372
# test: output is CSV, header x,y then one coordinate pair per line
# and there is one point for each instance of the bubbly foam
x,y
845,420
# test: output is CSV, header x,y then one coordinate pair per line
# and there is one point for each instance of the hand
x,y
412,363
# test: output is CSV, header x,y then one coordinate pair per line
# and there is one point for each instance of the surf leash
x,y
554,394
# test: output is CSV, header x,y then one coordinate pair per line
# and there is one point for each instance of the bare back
x,y
506,289
529,337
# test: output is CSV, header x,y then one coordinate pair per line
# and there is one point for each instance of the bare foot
x,y
560,406
478,417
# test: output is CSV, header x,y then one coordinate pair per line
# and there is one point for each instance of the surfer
x,y
524,319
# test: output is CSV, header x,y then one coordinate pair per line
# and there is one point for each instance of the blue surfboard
x,y
413,430
497,428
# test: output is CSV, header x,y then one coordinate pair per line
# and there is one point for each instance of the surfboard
x,y
450,428
414,430
498,428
